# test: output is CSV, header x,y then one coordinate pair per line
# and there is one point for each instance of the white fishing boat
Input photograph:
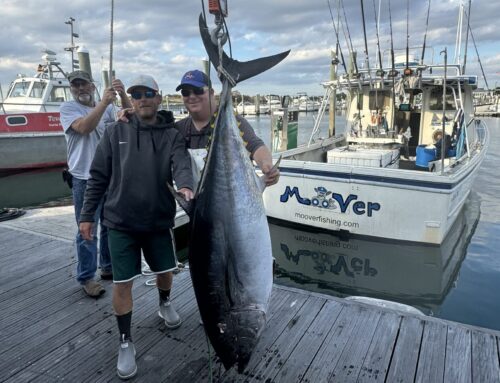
x,y
388,176
31,135
246,107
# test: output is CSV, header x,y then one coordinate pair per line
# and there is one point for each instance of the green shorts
x,y
125,249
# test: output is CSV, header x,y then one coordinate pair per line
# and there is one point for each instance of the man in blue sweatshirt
x,y
133,162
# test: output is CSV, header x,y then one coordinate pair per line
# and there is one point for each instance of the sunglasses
x,y
196,91
138,95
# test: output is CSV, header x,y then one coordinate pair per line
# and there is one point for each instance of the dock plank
x,y
353,356
432,353
304,352
485,366
458,363
336,340
379,353
405,354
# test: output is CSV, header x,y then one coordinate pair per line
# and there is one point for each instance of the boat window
x,y
60,94
379,99
436,99
360,105
20,89
16,120
37,89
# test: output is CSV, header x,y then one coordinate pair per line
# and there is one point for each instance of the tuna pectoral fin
x,y
262,179
187,206
239,71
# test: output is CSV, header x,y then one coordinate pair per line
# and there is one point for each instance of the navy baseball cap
x,y
194,78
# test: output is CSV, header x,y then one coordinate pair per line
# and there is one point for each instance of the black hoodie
x,y
133,163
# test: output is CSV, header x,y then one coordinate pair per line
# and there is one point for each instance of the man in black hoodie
x,y
134,161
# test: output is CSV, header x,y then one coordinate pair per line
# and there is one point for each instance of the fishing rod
x,y
425,35
110,75
466,38
348,39
393,73
367,58
407,36
338,47
380,72
393,70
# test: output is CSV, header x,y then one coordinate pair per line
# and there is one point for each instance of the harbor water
x,y
457,281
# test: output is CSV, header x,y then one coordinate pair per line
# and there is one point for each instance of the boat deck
x,y
51,332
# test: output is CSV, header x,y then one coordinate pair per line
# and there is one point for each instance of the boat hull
x,y
375,202
35,140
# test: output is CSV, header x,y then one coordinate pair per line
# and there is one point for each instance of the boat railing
x,y
317,121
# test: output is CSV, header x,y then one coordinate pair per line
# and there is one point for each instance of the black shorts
x,y
125,249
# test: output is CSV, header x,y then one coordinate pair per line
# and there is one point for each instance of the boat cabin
x,y
43,92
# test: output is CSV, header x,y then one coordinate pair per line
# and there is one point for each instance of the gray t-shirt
x,y
81,147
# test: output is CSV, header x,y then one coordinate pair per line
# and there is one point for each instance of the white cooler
x,y
378,158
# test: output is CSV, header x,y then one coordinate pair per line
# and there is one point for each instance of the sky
x,y
161,37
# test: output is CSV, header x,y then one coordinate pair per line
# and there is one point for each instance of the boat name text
x,y
327,200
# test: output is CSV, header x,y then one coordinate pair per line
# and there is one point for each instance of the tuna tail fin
x,y
239,71
187,206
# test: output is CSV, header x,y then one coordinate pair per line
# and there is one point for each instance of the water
x,y
458,281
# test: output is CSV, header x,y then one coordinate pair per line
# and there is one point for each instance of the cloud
x,y
162,37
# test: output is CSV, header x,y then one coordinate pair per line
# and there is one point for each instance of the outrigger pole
x,y
380,67
466,38
425,35
366,45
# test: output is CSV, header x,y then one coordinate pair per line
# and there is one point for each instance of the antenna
x,y
72,48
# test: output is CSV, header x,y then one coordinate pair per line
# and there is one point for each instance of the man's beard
x,y
85,98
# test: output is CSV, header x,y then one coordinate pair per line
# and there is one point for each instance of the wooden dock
x,y
51,332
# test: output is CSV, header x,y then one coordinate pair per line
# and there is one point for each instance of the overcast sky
x,y
161,37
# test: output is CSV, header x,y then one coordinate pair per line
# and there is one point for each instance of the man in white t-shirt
x,y
84,121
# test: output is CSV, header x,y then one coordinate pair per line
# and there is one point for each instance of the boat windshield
x,y
379,99
20,89
37,89
60,94
436,99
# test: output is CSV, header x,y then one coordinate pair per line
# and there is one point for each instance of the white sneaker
x,y
126,366
167,312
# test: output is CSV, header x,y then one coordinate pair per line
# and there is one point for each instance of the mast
x,y
72,48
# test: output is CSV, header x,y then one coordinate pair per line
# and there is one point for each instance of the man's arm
x,y
181,167
87,124
100,174
260,152
264,161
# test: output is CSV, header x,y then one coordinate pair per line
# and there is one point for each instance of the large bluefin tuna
x,y
230,254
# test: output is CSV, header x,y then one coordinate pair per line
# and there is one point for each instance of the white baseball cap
x,y
144,80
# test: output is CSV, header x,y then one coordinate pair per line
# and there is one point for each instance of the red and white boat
x,y
31,136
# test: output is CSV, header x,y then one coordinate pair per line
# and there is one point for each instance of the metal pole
x,y
111,44
333,97
443,119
